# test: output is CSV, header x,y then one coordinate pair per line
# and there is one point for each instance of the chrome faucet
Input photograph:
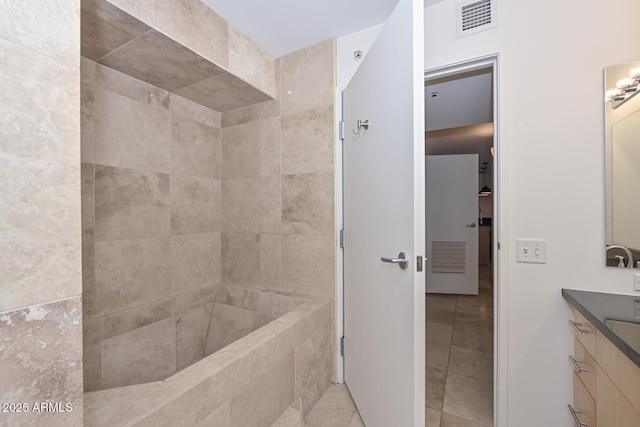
x,y
626,251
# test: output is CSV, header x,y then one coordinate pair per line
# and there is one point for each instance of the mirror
x,y
622,139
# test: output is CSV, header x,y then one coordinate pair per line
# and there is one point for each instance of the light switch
x,y
532,250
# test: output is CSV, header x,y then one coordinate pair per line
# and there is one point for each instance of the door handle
x,y
402,260
472,225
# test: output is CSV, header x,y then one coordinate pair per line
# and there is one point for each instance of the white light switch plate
x,y
532,250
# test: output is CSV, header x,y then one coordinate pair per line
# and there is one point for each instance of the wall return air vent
x,y
475,16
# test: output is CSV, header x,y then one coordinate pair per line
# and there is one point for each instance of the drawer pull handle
x,y
579,369
575,417
576,326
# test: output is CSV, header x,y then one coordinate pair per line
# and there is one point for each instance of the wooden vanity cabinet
x,y
606,383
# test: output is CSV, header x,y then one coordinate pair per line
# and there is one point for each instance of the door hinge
x,y
342,346
342,239
341,130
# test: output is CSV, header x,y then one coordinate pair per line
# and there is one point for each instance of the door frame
x,y
500,246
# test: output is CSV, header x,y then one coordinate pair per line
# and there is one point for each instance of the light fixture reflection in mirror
x,y
625,88
622,144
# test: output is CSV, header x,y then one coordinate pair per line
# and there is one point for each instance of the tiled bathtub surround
x,y
152,342
182,230
40,246
180,46
151,226
252,381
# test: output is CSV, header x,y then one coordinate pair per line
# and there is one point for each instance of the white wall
x,y
347,45
552,163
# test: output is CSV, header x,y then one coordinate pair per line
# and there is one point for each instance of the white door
x,y
452,224
383,216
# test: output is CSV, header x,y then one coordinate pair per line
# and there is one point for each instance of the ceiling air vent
x,y
475,16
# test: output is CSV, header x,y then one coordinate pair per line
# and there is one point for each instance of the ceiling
x,y
459,114
284,26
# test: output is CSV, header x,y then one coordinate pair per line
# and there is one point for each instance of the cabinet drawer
x,y
584,407
584,331
613,409
584,366
620,369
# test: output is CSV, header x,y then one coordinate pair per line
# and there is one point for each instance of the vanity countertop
x,y
615,316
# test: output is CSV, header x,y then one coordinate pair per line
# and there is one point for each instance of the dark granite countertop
x,y
616,316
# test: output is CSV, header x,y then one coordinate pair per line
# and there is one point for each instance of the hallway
x,y
459,357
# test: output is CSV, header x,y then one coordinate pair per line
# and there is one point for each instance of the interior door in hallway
x,y
452,224
384,216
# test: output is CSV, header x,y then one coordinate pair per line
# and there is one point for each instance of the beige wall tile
x,y
205,404
91,331
88,280
39,159
308,141
160,61
132,123
87,114
195,205
139,9
228,324
221,417
308,204
308,79
195,262
267,398
310,266
91,367
186,108
241,151
195,148
251,205
271,260
88,193
194,299
130,273
240,116
244,88
142,355
314,366
31,24
40,358
220,94
131,204
105,28
271,108
270,146
137,317
240,259
191,329
195,25
250,62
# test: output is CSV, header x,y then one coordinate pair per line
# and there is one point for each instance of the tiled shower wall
x,y
177,197
151,227
278,181
40,247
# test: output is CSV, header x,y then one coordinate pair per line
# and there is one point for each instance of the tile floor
x,y
459,383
